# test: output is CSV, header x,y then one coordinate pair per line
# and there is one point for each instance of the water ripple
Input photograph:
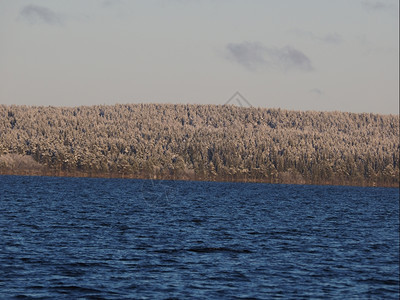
x,y
68,238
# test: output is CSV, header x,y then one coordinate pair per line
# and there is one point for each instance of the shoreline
x,y
55,173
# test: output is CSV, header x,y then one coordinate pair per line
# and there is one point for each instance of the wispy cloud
x,y
35,14
380,5
254,55
316,91
110,3
388,7
329,38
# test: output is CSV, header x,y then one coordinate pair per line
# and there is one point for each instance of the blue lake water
x,y
68,238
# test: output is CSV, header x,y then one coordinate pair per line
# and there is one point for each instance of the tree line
x,y
201,142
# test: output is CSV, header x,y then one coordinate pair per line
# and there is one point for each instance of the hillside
x,y
201,142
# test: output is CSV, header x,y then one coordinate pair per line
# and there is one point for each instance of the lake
x,y
66,238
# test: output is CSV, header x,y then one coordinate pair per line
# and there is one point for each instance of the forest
x,y
201,142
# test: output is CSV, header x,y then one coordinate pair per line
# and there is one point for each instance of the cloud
x,y
254,55
329,38
250,55
110,3
290,58
379,5
316,91
35,14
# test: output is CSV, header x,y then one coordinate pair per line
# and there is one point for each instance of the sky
x,y
322,55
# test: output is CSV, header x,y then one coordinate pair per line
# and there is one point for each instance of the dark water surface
x,y
68,238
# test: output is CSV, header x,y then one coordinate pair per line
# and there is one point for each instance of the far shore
x,y
201,143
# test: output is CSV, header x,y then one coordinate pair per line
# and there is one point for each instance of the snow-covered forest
x,y
201,142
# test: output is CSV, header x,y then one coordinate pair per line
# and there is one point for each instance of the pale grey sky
x,y
307,55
